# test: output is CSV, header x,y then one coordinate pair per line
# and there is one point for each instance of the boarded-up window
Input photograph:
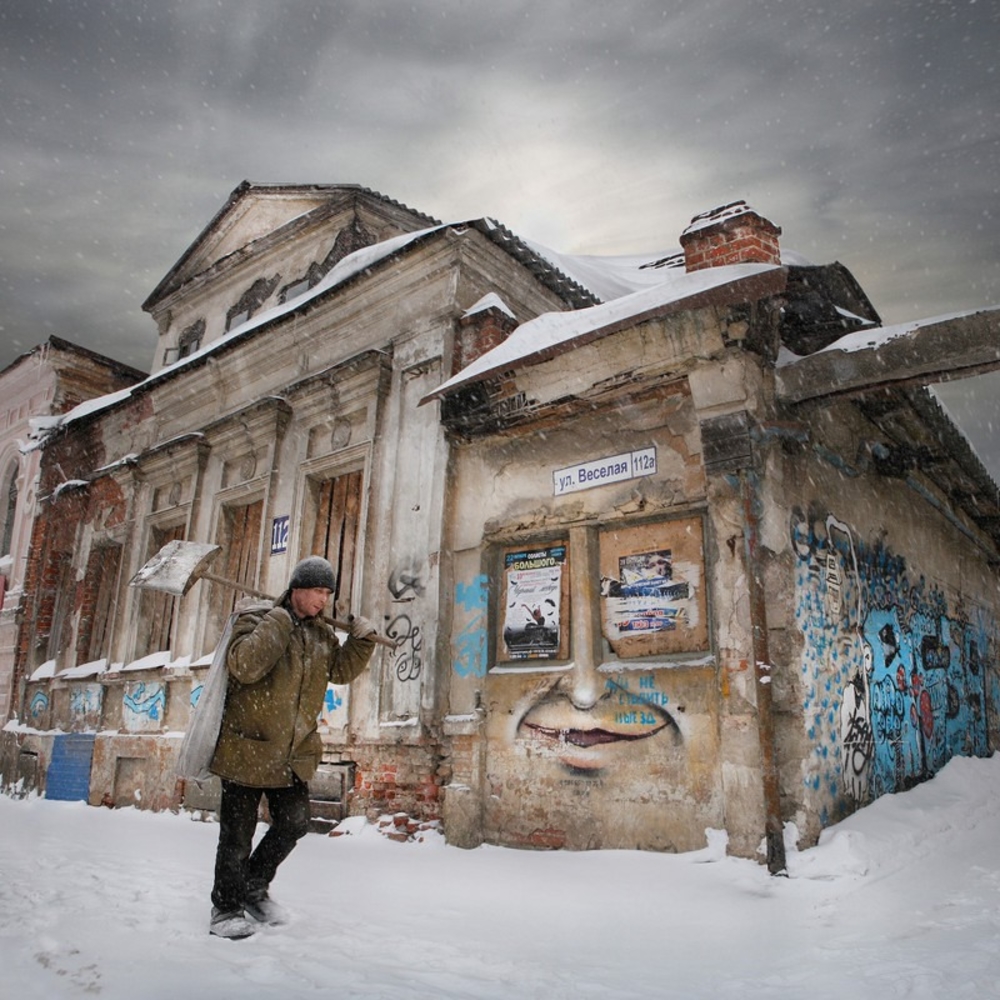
x,y
97,611
9,509
239,538
653,599
157,610
335,534
56,607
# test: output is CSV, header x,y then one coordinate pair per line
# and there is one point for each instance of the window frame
x,y
11,495
585,610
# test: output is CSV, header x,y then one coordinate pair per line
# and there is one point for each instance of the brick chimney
x,y
484,326
731,234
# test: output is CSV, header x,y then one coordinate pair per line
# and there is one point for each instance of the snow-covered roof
x,y
554,332
345,269
256,189
596,279
610,277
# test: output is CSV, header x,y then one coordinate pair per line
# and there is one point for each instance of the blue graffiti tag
x,y
151,705
470,643
85,700
332,701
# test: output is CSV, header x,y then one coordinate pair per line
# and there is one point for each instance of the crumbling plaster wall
x,y
883,621
332,390
505,788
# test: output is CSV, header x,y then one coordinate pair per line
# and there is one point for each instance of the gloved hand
x,y
361,628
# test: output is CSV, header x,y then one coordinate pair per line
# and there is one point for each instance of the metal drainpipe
x,y
774,834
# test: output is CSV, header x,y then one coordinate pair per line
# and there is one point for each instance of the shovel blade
x,y
176,568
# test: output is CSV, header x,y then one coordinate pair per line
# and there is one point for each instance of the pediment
x,y
255,215
255,212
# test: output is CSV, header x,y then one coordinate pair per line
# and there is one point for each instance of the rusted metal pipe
x,y
774,832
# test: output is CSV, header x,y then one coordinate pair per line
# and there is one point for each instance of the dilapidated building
x,y
699,594
296,337
35,389
659,548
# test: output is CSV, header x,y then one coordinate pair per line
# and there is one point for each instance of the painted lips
x,y
589,737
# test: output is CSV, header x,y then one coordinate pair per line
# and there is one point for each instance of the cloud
x,y
869,132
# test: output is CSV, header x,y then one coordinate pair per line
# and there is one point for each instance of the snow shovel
x,y
179,565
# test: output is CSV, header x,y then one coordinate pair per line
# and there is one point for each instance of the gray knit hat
x,y
313,571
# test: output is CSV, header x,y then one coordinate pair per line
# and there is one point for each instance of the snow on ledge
x,y
875,337
45,671
489,301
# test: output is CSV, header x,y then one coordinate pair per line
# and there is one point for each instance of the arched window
x,y
9,508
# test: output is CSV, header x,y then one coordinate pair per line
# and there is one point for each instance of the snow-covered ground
x,y
901,900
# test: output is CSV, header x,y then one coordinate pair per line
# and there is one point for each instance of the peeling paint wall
x,y
582,653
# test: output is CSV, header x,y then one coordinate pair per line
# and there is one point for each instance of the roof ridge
x,y
579,296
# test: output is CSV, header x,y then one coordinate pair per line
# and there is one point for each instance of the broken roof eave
x,y
917,353
897,365
767,281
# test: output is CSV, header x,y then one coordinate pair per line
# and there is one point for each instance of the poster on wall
x,y
533,604
652,588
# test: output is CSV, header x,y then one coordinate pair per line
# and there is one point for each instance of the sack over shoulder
x,y
198,745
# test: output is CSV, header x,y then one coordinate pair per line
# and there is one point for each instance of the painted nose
x,y
583,686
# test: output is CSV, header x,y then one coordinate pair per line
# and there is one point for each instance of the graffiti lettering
x,y
407,662
150,703
85,700
332,701
856,730
39,704
405,581
144,705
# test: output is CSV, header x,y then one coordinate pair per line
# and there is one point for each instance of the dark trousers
x,y
239,868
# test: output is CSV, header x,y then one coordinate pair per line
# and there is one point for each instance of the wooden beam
x,y
899,356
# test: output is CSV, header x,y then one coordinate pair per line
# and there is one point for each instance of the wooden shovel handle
x,y
344,626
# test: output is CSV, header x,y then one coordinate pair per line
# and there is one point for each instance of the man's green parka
x,y
279,667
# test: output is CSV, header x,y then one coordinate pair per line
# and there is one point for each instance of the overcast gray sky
x,y
870,131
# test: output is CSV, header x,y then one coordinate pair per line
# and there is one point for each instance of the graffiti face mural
x,y
892,680
600,688
589,727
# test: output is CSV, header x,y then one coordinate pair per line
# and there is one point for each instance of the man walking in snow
x,y
279,661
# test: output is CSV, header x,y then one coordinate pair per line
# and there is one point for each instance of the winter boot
x,y
230,924
263,909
